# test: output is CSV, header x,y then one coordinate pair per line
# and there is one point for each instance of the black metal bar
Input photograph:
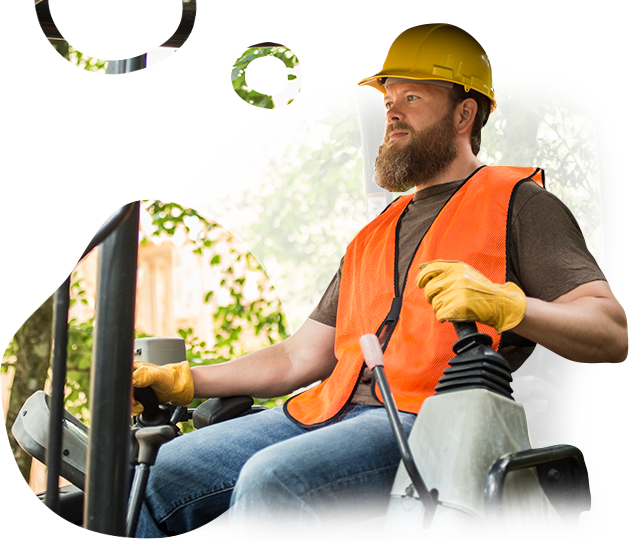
x,y
138,489
107,479
372,118
59,361
612,196
494,487
425,496
465,329
117,67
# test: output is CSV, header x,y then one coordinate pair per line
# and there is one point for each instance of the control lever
x,y
153,414
154,428
149,440
374,359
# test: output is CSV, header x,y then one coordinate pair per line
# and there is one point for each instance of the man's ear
x,y
464,115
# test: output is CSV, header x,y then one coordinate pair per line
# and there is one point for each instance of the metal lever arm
x,y
373,357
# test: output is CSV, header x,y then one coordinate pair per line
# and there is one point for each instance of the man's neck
x,y
462,167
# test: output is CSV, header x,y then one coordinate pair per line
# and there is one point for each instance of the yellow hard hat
x,y
437,52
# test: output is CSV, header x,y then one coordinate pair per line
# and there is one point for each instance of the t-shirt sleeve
x,y
548,254
325,312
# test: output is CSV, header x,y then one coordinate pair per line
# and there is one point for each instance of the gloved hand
x,y
460,293
172,383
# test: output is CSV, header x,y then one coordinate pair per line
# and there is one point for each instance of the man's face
x,y
420,139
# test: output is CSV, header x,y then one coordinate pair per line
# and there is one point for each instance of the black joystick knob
x,y
153,414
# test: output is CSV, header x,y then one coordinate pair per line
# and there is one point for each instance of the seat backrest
x,y
558,423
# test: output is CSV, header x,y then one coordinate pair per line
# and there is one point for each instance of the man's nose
x,y
394,115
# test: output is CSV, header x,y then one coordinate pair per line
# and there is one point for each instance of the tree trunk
x,y
35,340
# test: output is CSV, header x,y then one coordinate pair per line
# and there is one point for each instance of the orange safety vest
x,y
472,227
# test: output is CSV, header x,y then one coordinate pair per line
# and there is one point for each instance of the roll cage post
x,y
107,475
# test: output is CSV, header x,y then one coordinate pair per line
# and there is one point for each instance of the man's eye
x,y
411,98
388,105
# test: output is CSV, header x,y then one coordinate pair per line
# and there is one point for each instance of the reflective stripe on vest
x,y
472,227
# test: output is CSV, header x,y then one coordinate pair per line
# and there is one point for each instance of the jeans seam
x,y
348,479
191,500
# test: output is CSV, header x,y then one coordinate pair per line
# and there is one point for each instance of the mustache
x,y
398,125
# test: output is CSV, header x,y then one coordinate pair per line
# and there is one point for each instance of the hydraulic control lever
x,y
374,359
153,414
154,428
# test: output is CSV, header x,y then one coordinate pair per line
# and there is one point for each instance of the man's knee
x,y
269,473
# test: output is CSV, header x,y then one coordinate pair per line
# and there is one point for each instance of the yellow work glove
x,y
460,293
172,383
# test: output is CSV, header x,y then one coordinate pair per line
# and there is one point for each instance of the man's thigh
x,y
194,475
344,469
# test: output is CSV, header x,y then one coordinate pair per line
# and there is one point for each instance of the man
x,y
481,243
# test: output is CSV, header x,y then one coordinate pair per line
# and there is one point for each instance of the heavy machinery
x,y
548,396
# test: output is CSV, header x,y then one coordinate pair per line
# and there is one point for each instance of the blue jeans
x,y
266,467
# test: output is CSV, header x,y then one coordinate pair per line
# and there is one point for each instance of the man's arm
x,y
300,360
586,324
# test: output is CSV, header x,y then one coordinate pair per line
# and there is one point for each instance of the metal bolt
x,y
554,474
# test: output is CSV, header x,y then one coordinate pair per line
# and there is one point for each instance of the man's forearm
x,y
302,359
585,325
263,373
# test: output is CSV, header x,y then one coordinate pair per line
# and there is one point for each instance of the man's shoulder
x,y
534,198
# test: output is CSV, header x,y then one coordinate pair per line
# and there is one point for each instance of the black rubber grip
x,y
153,414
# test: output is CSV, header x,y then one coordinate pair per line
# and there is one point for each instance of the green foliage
x,y
168,218
238,73
80,341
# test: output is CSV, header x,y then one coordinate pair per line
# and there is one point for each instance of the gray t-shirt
x,y
547,256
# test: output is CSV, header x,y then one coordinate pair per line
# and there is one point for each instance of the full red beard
x,y
425,154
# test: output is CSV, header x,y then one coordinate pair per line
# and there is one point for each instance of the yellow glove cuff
x,y
172,383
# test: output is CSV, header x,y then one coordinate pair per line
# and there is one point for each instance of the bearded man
x,y
521,270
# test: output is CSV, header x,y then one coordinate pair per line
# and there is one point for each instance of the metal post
x,y
107,478
116,67
372,127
